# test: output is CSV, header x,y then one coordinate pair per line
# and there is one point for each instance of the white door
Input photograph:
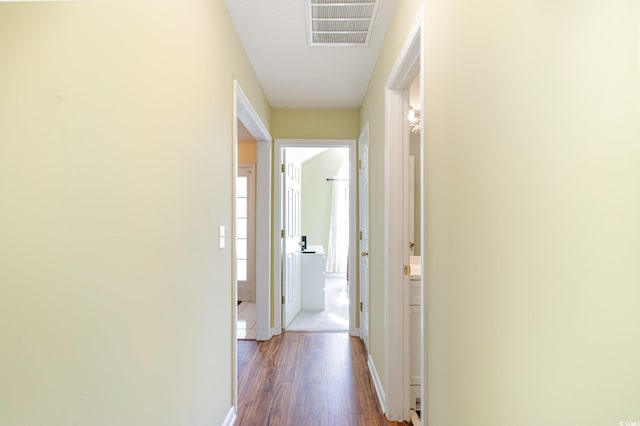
x,y
363,155
292,277
245,233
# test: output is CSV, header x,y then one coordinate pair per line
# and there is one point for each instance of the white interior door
x,y
363,155
292,277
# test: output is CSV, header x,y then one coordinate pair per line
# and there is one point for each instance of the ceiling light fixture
x,y
415,123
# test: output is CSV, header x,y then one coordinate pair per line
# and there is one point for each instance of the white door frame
x,y
406,67
244,111
277,211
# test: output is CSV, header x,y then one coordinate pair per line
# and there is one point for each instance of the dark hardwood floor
x,y
306,379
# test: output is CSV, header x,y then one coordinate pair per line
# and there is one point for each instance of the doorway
x,y
324,229
316,236
248,122
404,229
246,118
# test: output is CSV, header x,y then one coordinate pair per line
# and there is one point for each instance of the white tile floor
x,y
335,317
246,326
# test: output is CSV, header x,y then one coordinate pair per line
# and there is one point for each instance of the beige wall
x,y
533,176
247,146
317,194
115,173
315,124
247,152
532,240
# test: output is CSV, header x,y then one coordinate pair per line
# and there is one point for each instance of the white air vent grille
x,y
340,22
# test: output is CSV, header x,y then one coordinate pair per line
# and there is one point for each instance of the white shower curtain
x,y
338,250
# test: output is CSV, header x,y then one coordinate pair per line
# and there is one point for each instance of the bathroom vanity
x,y
312,269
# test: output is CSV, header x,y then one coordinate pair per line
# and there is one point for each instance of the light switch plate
x,y
221,237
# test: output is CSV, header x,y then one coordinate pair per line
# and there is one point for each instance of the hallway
x,y
306,379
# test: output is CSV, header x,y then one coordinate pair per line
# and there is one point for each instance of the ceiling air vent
x,y
340,22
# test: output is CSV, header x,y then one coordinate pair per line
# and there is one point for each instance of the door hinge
x,y
282,233
283,300
360,306
282,167
407,269
359,164
360,235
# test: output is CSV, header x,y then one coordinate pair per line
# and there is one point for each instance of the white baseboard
x,y
262,338
275,332
415,420
356,332
231,417
264,335
377,384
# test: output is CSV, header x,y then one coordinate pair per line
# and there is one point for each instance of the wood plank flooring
x,y
306,379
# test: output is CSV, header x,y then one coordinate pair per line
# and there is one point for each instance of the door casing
x,y
277,209
408,64
363,225
243,111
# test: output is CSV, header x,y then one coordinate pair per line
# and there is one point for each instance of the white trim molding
x,y
244,112
277,211
263,241
231,417
377,384
251,120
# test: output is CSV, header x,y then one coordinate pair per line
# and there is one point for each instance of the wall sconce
x,y
415,123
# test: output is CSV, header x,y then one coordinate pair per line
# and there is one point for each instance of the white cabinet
x,y
313,278
415,358
415,333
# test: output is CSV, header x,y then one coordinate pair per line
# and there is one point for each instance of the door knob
x,y
364,253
